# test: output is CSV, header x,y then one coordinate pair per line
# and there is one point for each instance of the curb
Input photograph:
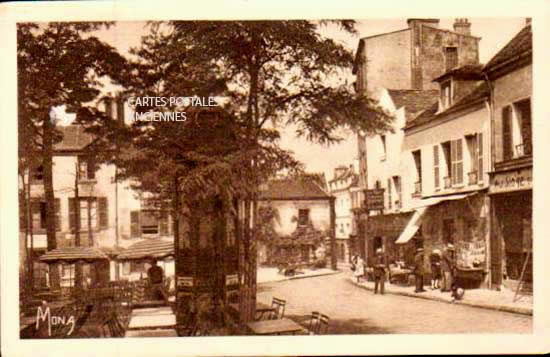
x,y
511,309
302,277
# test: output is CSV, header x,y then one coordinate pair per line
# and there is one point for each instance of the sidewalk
x,y
268,274
482,298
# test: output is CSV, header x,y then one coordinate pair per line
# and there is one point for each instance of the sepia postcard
x,y
242,178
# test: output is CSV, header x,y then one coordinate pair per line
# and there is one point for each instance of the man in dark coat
x,y
380,265
447,268
419,271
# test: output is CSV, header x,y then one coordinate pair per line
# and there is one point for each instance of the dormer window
x,y
446,95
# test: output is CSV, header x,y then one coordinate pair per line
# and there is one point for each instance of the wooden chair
x,y
314,322
279,309
322,326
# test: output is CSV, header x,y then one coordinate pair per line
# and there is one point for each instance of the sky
x,y
494,33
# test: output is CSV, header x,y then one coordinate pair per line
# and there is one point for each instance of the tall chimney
x,y
462,26
431,22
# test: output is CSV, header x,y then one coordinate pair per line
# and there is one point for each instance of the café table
x,y
274,327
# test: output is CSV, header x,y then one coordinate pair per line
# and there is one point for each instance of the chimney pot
x,y
462,25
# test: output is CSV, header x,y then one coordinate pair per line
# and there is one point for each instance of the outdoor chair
x,y
314,322
112,327
279,309
322,326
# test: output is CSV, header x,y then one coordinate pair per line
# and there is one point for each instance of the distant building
x,y
341,187
305,218
412,57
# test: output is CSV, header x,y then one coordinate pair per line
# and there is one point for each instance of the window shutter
x,y
389,193
135,228
163,223
459,167
91,167
22,213
103,213
436,166
480,157
72,214
57,205
525,108
507,133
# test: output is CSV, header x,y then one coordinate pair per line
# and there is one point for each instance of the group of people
x,y
443,271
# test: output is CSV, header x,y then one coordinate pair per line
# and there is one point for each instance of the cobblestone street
x,y
353,310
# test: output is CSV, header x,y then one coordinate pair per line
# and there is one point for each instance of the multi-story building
x,y
412,57
509,74
341,187
399,67
384,161
108,209
445,163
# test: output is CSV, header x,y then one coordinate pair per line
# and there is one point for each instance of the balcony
x,y
446,182
417,189
472,178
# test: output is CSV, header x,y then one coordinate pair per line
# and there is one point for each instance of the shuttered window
x,y
38,214
507,145
456,162
389,194
103,212
436,166
524,110
163,223
135,227
479,139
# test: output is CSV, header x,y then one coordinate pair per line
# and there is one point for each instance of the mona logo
x,y
46,317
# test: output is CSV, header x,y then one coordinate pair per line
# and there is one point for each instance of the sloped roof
x,y
148,249
293,188
481,91
74,254
346,173
74,138
413,100
468,71
522,43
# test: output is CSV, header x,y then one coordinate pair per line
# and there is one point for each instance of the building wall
x,y
319,214
508,89
388,61
63,182
431,56
426,137
384,165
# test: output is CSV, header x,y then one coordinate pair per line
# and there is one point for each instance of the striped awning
x,y
71,255
156,248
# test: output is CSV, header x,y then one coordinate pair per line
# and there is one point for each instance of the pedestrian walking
x,y
359,268
447,268
419,271
435,265
380,268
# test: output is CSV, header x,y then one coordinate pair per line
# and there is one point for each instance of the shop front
x,y
511,232
460,220
382,233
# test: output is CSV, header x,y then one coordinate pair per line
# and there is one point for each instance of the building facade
x,y
446,163
304,221
412,57
509,74
342,187
112,214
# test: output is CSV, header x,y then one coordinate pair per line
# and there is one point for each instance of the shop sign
x,y
471,254
374,199
185,282
512,181
232,279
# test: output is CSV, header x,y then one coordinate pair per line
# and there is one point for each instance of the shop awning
x,y
412,227
156,248
71,255
420,209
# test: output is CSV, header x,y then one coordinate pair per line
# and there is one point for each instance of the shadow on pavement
x,y
344,326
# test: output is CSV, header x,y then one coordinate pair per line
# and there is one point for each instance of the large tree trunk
x,y
47,165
